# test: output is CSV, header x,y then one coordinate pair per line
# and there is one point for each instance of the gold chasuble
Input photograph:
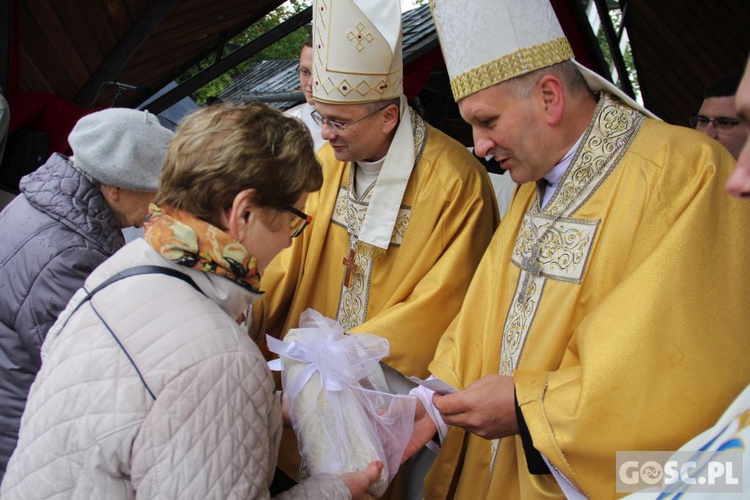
x,y
409,293
620,309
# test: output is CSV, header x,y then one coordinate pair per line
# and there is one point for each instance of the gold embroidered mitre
x,y
357,51
485,42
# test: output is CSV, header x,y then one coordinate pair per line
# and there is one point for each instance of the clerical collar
x,y
365,174
553,176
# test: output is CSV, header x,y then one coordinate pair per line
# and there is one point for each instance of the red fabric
x,y
36,110
418,71
46,113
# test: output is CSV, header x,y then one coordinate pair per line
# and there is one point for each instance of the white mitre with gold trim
x,y
485,42
357,51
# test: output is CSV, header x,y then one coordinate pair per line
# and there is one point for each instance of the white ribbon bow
x,y
342,360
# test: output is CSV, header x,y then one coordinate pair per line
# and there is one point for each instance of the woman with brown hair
x,y
149,387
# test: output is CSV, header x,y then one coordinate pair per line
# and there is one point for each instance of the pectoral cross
x,y
351,267
531,265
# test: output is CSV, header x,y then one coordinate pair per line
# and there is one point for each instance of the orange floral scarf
x,y
191,242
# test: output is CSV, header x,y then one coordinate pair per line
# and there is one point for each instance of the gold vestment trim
x,y
349,212
511,65
610,133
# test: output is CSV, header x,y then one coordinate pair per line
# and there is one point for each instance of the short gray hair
x,y
374,106
566,71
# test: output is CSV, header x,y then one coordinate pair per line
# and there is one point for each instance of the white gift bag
x,y
341,423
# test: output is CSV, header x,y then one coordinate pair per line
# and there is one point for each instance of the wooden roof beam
x,y
222,66
123,51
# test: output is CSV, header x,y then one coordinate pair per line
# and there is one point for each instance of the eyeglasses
x,y
721,123
336,127
300,222
304,72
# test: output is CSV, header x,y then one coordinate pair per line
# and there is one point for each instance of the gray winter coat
x,y
51,237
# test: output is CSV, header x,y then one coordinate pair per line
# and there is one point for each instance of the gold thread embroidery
x,y
599,153
370,89
350,212
613,128
511,65
359,37
564,246
339,216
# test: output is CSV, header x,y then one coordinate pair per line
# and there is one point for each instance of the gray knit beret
x,y
121,147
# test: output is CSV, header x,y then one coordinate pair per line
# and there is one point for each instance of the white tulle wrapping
x,y
341,423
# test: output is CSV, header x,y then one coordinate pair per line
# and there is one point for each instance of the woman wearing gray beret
x,y
66,221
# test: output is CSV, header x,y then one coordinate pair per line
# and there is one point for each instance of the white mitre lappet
x,y
485,42
357,59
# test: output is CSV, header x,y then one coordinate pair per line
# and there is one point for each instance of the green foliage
x,y
616,16
286,48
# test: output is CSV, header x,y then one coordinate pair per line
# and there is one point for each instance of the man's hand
x,y
424,430
359,481
486,408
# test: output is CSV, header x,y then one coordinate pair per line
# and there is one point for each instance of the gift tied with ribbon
x,y
342,423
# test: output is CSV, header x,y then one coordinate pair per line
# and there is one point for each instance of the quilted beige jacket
x,y
173,400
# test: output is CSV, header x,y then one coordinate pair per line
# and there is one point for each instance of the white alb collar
x,y
553,176
390,186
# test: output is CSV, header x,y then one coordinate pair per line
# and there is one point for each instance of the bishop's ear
x,y
391,115
553,97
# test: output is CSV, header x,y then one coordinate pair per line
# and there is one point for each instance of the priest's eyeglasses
x,y
300,221
336,127
721,123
